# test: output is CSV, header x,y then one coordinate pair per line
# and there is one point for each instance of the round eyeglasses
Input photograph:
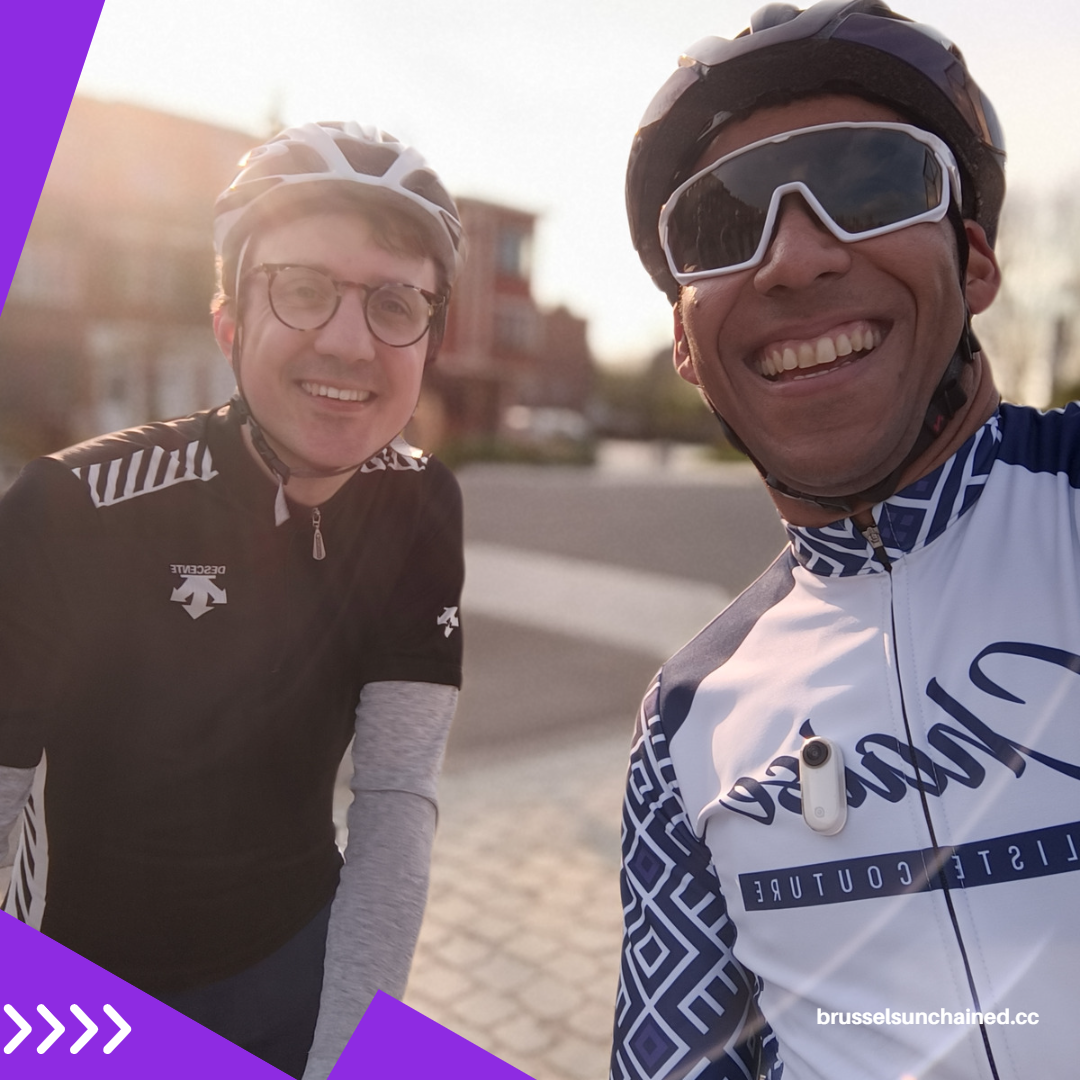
x,y
304,298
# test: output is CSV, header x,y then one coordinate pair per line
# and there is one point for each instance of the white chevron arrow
x,y
88,1034
24,1028
121,1035
58,1030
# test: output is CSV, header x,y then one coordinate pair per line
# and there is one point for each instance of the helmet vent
x,y
427,186
299,160
367,159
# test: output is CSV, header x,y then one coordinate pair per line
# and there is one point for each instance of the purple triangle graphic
x,y
163,1044
394,1040
42,51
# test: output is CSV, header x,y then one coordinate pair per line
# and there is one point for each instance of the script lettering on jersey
x,y
959,751
198,591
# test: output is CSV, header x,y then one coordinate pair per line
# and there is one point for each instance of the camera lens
x,y
815,752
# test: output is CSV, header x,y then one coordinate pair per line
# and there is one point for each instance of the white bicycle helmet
x,y
356,158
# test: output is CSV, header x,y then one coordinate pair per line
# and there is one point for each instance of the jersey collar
x,y
912,518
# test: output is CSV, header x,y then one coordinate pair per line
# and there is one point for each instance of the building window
x,y
513,253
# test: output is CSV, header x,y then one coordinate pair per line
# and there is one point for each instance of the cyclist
x,y
199,614
849,822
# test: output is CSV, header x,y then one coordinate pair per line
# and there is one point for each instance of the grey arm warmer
x,y
15,785
401,730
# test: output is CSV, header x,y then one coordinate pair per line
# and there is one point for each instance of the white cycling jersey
x,y
950,683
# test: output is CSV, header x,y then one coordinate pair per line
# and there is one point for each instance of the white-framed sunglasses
x,y
861,179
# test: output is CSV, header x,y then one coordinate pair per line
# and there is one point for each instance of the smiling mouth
x,y
808,356
336,393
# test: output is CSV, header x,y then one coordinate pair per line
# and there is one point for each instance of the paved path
x,y
520,947
519,951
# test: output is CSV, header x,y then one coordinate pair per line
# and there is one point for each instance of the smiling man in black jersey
x,y
199,615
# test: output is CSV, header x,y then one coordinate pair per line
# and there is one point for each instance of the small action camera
x,y
821,780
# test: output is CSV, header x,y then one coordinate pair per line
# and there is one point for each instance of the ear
x,y
684,364
983,277
225,330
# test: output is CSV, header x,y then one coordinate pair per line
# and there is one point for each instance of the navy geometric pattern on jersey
x,y
959,667
682,994
912,518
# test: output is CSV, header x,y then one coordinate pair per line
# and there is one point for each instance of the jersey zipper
x,y
318,548
872,535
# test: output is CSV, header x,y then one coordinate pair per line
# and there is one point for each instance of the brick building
x,y
107,323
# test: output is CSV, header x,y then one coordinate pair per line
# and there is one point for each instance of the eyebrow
x,y
376,282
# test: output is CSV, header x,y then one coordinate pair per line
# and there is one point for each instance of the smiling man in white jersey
x,y
850,824
200,614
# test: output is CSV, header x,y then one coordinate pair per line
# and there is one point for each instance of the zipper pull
x,y
318,548
872,535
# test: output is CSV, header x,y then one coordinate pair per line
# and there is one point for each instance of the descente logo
x,y
197,592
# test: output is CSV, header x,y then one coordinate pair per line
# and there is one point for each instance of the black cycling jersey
x,y
191,673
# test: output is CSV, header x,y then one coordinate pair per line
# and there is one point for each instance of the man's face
x,y
889,309
335,396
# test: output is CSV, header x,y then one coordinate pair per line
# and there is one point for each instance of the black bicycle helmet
x,y
858,47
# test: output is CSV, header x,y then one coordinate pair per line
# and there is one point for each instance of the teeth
x,y
809,354
826,351
336,393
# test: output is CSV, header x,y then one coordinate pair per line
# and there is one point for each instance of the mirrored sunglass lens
x,y
865,178
881,178
397,313
713,227
302,298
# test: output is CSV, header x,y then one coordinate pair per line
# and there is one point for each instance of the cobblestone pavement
x,y
569,615
519,951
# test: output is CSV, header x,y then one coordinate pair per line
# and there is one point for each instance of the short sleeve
x,y
419,633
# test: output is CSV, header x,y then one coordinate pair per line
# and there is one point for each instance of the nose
x,y
347,336
801,251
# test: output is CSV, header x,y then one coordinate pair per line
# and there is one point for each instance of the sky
x,y
535,104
